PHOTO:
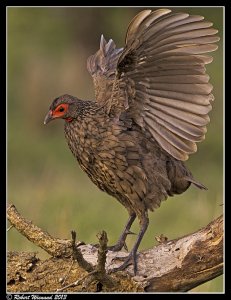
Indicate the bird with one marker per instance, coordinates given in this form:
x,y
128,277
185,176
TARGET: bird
x,y
151,106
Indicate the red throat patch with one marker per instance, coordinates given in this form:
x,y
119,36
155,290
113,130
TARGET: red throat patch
x,y
69,119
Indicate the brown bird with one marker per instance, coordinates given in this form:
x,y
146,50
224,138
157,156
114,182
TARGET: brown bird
x,y
152,100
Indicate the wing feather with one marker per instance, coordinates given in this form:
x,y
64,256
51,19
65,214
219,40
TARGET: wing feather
x,y
161,76
159,79
102,67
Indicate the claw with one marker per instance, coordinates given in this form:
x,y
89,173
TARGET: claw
x,y
129,260
116,247
125,247
120,244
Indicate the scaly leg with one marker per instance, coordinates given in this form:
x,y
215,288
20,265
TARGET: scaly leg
x,y
132,257
121,241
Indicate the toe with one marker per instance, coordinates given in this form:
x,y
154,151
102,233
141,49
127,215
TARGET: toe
x,y
130,260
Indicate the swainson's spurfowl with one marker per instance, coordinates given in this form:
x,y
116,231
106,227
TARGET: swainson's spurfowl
x,y
152,100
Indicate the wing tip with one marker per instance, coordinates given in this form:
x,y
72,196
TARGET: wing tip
x,y
105,46
103,43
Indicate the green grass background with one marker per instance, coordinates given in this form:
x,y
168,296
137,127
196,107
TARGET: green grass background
x,y
47,52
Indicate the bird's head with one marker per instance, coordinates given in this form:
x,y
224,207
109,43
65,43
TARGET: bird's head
x,y
63,107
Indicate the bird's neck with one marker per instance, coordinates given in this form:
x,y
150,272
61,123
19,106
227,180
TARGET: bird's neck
x,y
84,108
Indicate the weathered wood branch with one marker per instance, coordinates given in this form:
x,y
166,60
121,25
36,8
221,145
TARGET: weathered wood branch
x,y
172,266
54,247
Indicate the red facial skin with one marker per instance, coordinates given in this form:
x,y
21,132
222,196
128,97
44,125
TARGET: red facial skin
x,y
60,111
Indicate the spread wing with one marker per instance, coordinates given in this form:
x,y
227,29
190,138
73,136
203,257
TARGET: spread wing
x,y
160,80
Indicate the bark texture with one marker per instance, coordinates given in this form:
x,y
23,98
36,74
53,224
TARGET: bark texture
x,y
172,266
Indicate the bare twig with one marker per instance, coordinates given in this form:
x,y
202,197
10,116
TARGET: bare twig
x,y
100,271
77,255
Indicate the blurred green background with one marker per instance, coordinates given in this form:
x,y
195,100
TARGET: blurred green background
x,y
47,52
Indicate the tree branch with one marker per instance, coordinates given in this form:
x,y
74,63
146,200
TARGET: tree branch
x,y
54,247
172,266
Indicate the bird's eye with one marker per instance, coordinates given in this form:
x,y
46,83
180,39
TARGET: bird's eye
x,y
61,109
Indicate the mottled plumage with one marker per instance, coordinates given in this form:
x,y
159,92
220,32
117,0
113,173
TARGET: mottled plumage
x,y
152,104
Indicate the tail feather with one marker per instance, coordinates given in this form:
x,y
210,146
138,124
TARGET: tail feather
x,y
196,183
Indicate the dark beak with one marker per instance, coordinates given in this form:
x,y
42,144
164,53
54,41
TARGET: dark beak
x,y
48,117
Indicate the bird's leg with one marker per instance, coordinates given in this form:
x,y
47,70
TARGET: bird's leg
x,y
121,241
131,258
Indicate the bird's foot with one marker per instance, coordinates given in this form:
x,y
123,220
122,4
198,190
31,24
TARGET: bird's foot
x,y
121,242
117,247
131,259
